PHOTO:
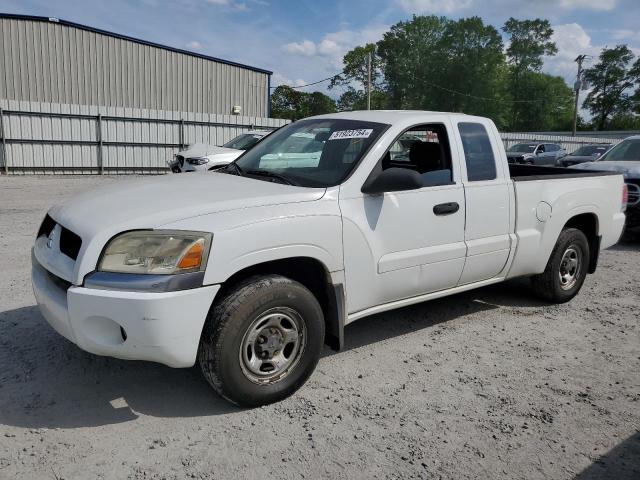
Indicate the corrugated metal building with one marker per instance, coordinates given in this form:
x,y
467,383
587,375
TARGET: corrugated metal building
x,y
55,61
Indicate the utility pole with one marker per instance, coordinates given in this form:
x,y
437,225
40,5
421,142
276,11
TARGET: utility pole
x,y
579,59
369,81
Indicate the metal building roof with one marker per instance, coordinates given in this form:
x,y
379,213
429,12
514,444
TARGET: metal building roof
x,y
35,18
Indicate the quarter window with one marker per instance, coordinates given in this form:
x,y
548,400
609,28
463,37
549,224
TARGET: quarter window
x,y
478,154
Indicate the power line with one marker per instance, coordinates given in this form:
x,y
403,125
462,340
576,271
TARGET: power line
x,y
309,84
487,98
455,92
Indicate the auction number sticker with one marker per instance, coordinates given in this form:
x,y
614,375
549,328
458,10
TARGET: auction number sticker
x,y
360,133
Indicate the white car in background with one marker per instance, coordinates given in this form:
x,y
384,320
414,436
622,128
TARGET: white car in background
x,y
201,157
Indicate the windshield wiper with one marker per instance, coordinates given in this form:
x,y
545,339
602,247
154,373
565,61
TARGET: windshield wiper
x,y
267,173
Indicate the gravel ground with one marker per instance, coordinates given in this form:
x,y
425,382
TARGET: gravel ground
x,y
486,384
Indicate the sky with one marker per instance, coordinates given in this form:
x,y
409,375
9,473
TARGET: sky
x,y
303,41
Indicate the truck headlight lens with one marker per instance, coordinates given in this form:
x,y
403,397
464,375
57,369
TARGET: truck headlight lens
x,y
156,252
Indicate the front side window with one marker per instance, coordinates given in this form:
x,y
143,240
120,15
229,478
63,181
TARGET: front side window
x,y
425,149
478,154
625,151
311,153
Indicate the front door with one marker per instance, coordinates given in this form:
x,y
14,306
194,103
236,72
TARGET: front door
x,y
399,245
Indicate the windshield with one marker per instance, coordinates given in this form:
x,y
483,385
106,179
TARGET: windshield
x,y
311,153
522,148
244,141
625,151
589,150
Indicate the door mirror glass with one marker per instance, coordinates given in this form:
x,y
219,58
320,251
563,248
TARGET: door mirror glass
x,y
393,179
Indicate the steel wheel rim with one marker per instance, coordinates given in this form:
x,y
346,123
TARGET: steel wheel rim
x,y
570,267
272,345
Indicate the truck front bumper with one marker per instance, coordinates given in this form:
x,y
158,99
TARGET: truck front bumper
x,y
157,327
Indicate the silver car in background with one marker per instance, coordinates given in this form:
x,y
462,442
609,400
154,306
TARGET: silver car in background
x,y
535,153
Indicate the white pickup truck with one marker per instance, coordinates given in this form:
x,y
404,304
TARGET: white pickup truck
x,y
260,264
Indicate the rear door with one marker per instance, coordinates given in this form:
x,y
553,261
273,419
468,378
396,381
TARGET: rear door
x,y
486,187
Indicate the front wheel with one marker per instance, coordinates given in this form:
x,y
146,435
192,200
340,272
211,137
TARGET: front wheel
x,y
262,340
566,269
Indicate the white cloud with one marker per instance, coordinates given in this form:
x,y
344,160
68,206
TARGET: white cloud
x,y
572,40
433,6
305,47
334,45
280,79
518,7
241,6
194,45
588,4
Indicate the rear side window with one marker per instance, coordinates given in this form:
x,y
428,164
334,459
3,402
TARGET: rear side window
x,y
478,154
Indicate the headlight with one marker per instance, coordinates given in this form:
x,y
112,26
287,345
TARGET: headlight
x,y
156,252
197,160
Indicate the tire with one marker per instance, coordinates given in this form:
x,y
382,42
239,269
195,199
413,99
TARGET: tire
x,y
248,350
566,269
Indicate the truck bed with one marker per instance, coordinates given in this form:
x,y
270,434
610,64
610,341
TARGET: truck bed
x,y
523,173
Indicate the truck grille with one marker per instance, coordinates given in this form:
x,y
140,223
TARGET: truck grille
x,y
70,242
633,187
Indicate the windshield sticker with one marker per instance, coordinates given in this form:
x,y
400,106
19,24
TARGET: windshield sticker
x,y
360,133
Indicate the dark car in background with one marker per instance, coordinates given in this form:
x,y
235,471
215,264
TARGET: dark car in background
x,y
623,158
535,153
586,153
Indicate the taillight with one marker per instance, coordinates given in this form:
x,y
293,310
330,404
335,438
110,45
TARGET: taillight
x,y
625,196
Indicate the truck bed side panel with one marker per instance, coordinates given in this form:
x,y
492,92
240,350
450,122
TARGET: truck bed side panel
x,y
544,206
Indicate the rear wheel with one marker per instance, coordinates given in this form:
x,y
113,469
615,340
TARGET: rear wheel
x,y
566,269
262,340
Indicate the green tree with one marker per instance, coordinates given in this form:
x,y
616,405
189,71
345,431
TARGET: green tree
x,y
532,94
355,72
529,41
353,99
434,63
411,61
289,103
611,80
319,103
547,105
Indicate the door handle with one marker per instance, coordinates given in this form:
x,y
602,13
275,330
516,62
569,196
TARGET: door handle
x,y
446,208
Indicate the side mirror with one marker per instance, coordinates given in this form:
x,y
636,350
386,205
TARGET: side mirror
x,y
392,180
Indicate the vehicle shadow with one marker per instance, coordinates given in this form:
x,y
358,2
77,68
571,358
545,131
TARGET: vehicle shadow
x,y
380,327
47,382
627,245
621,462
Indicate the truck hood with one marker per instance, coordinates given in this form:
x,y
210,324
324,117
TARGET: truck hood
x,y
153,202
628,169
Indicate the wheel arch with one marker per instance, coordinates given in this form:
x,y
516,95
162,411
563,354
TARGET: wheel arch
x,y
315,276
588,224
